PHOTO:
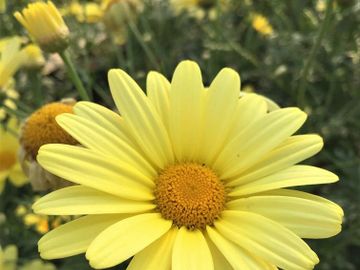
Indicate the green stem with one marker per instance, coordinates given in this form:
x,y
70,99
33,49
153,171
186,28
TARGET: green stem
x,y
74,75
310,60
36,85
143,44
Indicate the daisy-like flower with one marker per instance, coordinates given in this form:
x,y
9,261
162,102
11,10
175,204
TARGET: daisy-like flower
x,y
46,25
89,12
187,177
8,257
9,165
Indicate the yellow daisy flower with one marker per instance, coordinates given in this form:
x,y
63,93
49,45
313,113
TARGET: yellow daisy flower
x,y
262,25
45,24
9,164
188,178
37,264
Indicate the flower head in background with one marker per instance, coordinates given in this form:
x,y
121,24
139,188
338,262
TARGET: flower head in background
x,y
187,177
46,26
118,14
262,25
9,163
38,129
88,12
8,257
2,6
33,57
37,264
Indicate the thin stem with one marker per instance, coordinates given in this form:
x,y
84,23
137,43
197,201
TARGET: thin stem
x,y
74,75
310,60
134,29
36,85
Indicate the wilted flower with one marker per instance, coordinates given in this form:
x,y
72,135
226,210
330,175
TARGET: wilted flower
x,y
38,129
45,25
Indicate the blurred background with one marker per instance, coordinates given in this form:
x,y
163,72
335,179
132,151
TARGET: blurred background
x,y
297,53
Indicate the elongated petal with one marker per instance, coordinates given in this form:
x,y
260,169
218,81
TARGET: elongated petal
x,y
302,195
220,105
293,150
158,91
141,117
81,200
96,137
74,237
191,251
298,175
109,120
267,239
126,238
307,218
258,139
249,109
157,255
239,258
220,262
91,169
186,105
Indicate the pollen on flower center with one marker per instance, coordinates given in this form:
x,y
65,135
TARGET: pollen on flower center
x,y
41,128
190,195
7,160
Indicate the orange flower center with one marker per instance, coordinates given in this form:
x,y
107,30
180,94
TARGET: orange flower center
x,y
41,128
190,195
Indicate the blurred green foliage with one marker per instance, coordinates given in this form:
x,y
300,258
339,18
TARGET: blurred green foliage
x,y
312,60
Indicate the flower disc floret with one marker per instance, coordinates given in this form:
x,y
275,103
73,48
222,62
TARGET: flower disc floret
x,y
41,128
190,195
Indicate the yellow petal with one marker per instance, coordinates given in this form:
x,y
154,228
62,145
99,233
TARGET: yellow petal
x,y
94,136
191,251
186,105
258,139
303,195
239,258
220,262
126,238
307,218
108,119
141,117
74,237
157,255
250,108
81,200
293,150
88,168
298,175
158,90
266,239
220,105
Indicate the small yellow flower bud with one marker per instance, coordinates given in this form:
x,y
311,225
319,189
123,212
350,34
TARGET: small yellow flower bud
x,y
45,25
